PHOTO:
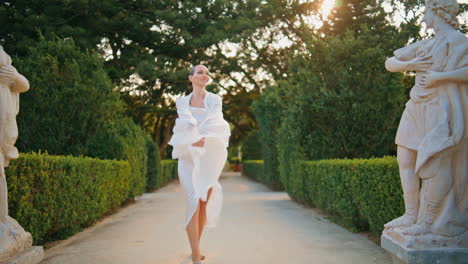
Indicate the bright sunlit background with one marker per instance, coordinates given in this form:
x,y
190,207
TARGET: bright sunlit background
x,y
327,7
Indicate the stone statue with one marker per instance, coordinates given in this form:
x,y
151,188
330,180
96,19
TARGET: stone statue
x,y
15,243
432,137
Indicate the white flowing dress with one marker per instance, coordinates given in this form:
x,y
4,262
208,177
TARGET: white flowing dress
x,y
199,168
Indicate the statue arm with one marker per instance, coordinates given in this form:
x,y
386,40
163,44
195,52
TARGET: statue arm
x,y
395,65
21,84
420,64
409,52
405,59
458,75
15,81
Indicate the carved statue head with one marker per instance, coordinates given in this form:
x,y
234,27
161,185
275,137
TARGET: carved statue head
x,y
4,58
447,10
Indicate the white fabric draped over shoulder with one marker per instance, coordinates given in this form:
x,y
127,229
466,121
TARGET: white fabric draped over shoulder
x,y
199,168
187,130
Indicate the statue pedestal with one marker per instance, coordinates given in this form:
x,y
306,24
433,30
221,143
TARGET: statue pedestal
x,y
32,255
16,245
410,250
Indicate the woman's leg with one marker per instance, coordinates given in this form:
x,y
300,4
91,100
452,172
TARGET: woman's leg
x,y
202,214
194,235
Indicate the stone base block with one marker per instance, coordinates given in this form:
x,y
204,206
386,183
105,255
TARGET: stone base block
x,y
32,255
403,254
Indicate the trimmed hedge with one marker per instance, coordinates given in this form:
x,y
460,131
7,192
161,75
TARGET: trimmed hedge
x,y
254,169
360,194
257,170
71,96
364,193
56,196
153,167
251,147
268,110
168,172
122,139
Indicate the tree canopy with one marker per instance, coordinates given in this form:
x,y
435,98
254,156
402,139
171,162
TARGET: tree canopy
x,y
149,46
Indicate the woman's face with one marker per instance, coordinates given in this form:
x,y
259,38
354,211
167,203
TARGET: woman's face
x,y
201,76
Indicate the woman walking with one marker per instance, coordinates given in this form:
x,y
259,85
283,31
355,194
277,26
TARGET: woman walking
x,y
200,138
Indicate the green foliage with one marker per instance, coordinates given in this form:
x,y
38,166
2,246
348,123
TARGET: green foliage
x,y
69,98
71,108
122,139
327,185
351,14
341,103
380,180
351,103
362,194
153,168
161,40
157,40
268,111
251,148
56,196
168,171
254,169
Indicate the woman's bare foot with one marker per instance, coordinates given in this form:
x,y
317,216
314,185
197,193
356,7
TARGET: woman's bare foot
x,y
196,259
201,257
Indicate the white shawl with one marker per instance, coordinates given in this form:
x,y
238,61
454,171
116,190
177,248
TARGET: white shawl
x,y
187,130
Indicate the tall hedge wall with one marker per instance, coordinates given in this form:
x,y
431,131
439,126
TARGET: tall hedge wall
x,y
254,169
168,172
153,166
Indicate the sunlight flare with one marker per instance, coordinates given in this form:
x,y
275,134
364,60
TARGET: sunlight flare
x,y
327,6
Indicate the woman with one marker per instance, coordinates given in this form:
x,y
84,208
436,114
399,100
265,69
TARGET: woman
x,y
432,137
200,139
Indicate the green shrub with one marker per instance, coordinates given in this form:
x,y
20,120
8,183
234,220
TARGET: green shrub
x,y
122,139
251,147
327,185
254,169
69,99
380,180
168,171
268,112
337,101
56,196
362,194
153,168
